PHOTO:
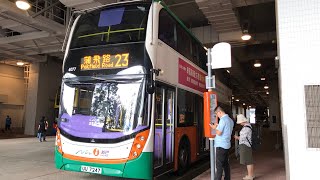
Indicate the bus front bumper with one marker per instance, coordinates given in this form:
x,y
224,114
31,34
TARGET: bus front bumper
x,y
140,168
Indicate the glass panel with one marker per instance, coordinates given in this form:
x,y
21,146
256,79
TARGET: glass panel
x,y
186,106
103,107
166,29
184,43
158,137
195,53
199,120
170,125
111,25
202,57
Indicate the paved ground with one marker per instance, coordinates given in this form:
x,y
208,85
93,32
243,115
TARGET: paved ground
x,y
268,166
269,163
28,159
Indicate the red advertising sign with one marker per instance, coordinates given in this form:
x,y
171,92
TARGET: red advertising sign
x,y
191,76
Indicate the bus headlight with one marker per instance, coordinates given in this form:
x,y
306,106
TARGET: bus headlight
x,y
58,141
141,138
138,146
64,120
135,154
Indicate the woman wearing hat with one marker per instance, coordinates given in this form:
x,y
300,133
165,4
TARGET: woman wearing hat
x,y
245,149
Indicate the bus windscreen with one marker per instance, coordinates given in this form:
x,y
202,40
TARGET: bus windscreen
x,y
104,107
111,26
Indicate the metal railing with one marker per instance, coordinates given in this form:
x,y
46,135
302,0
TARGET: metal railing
x,y
51,9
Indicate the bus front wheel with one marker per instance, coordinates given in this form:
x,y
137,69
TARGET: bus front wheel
x,y
183,156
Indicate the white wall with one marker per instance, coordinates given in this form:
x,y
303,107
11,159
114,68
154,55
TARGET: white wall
x,y
12,87
299,46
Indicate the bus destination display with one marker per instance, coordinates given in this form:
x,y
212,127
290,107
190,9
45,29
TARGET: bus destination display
x,y
105,61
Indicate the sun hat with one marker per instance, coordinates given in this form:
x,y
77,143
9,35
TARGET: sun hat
x,y
241,119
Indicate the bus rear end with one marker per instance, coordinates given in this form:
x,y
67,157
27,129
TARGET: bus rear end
x,y
104,117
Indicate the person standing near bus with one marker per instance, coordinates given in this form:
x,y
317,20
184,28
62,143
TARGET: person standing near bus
x,y
55,127
245,146
8,123
42,128
222,143
45,128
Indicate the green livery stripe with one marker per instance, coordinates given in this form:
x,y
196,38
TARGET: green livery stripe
x,y
110,32
58,158
141,167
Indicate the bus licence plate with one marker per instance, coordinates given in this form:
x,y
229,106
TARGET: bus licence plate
x,y
91,169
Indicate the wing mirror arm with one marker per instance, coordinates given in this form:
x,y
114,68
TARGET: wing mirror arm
x,y
151,82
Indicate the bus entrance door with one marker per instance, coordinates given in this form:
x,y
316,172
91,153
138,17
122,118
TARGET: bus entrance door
x,y
164,129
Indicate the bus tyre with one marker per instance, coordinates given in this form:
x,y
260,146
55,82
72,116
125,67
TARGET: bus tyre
x,y
183,156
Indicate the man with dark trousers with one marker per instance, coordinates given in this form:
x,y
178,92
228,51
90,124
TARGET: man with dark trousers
x,y
222,143
8,123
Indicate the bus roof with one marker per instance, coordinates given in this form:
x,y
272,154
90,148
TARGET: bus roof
x,y
111,4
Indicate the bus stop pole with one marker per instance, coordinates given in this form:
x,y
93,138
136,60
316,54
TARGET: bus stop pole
x,y
212,158
211,140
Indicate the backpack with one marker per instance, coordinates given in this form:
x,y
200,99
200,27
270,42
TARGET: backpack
x,y
255,137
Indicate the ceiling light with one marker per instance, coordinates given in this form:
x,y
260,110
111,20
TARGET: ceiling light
x,y
249,106
267,92
237,100
244,104
23,4
263,78
245,36
20,63
228,71
257,63
266,87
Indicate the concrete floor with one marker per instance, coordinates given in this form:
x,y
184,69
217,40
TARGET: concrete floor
x,y
28,159
269,163
268,166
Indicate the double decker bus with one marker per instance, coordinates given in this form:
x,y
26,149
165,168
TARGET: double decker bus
x,y
131,95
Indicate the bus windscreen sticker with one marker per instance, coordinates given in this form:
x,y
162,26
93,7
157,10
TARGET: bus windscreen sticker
x,y
191,77
111,17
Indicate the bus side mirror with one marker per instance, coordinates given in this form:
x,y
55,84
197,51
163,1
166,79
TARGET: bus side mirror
x,y
150,86
150,82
